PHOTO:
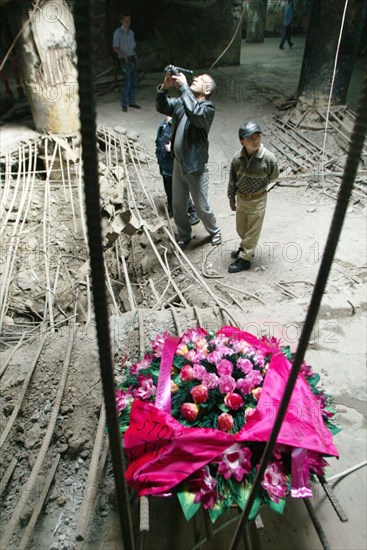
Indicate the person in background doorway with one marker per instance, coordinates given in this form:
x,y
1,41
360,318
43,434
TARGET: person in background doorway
x,y
288,15
165,162
192,116
124,46
252,168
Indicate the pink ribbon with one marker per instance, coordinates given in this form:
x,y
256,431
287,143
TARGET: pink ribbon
x,y
300,474
163,395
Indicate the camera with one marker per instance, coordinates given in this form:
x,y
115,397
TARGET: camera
x,y
172,70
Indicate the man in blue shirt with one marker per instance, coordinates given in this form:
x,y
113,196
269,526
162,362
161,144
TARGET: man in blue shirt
x,y
287,24
124,45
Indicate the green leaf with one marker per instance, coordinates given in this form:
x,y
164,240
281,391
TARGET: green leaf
x,y
241,492
189,507
218,510
277,506
314,380
334,429
287,352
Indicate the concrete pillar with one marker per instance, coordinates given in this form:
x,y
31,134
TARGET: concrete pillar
x,y
255,20
49,67
321,49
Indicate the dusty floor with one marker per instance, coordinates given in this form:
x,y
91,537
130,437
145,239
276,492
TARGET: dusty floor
x,y
290,250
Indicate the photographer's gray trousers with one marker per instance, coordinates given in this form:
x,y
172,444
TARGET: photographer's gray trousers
x,y
198,186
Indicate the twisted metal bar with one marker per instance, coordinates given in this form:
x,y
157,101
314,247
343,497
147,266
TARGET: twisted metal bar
x,y
86,40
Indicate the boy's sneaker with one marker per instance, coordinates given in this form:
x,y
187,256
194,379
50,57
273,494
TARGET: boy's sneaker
x,y
216,239
194,218
183,244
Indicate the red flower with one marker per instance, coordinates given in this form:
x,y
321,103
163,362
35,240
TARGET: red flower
x,y
233,401
189,411
199,393
225,422
187,373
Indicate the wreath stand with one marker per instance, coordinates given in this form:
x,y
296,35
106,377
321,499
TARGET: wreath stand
x,y
249,533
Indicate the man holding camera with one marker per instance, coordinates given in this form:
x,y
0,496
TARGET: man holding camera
x,y
192,116
124,45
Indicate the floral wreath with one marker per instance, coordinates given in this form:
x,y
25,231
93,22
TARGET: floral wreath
x,y
196,412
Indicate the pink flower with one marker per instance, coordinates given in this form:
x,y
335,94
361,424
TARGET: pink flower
x,y
322,401
235,462
215,356
200,355
244,365
224,367
191,355
187,373
272,342
146,388
123,399
306,370
219,340
225,422
199,371
210,380
233,401
199,393
182,349
316,462
226,384
275,481
240,346
189,411
259,358
141,365
207,493
226,351
194,335
158,344
201,345
246,385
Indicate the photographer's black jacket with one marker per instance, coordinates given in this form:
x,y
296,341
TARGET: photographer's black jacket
x,y
200,116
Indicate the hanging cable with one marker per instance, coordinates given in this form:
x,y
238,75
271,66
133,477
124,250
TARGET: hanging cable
x,y
345,191
234,36
86,42
332,87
